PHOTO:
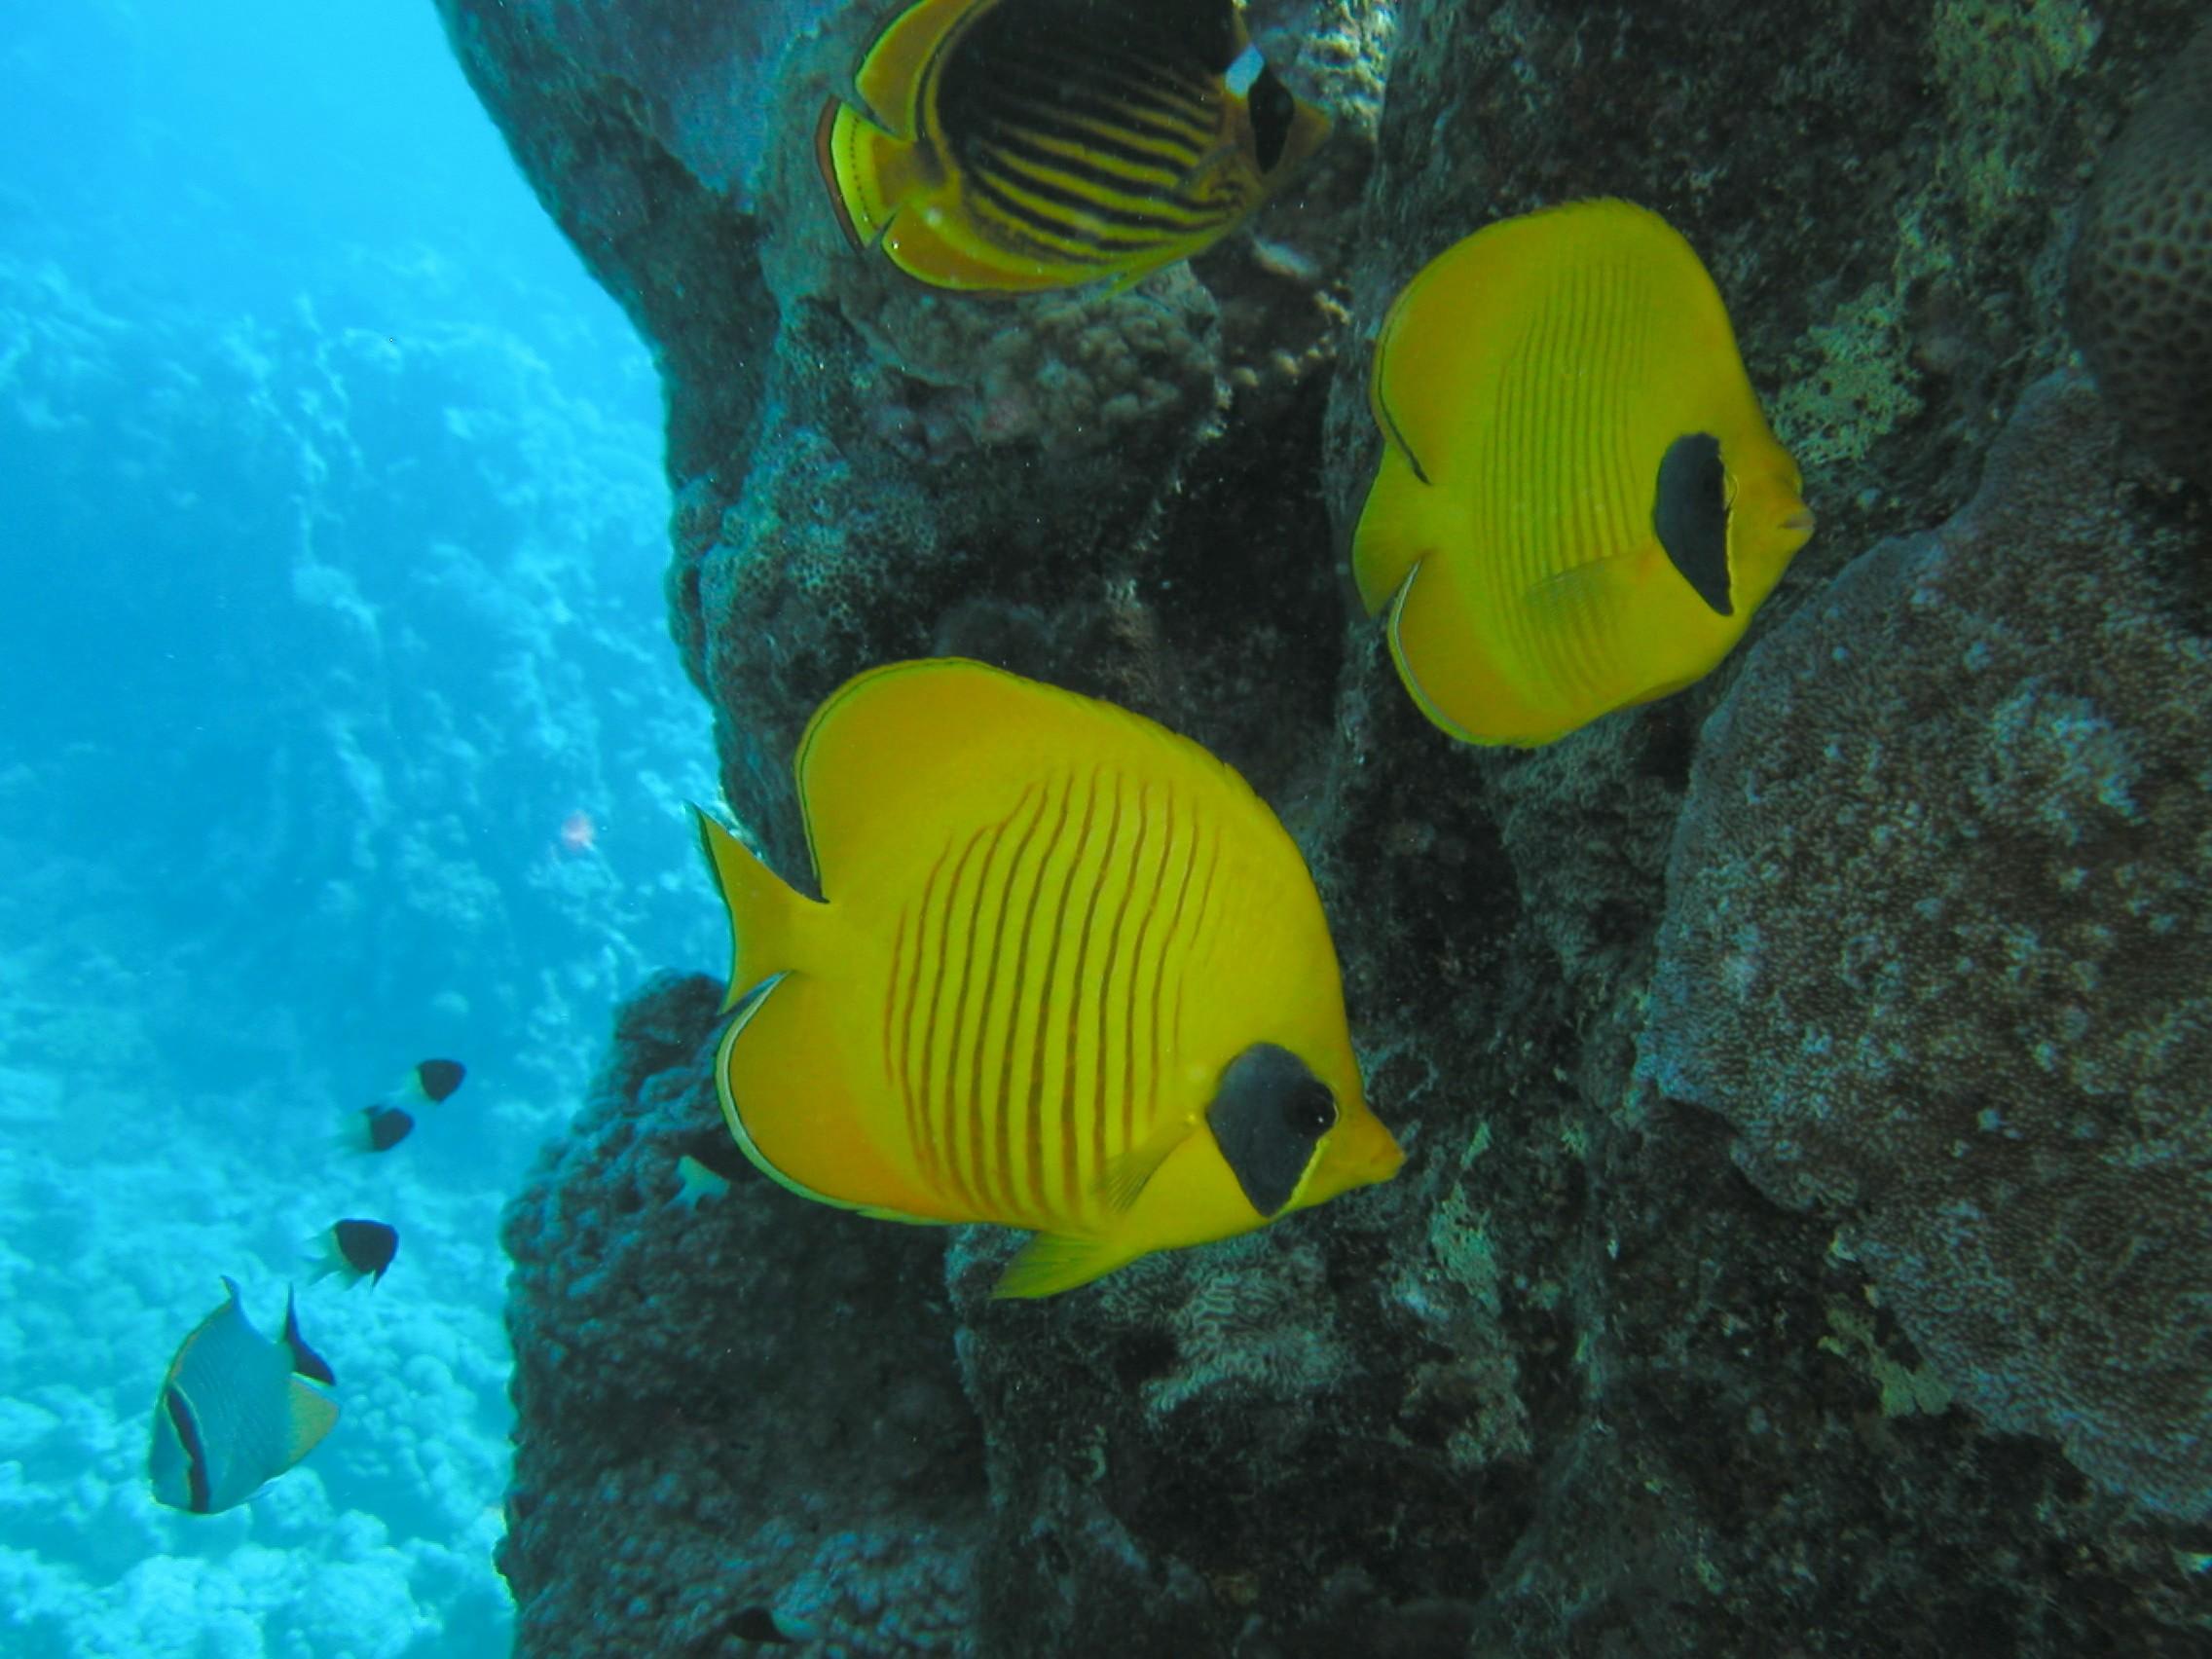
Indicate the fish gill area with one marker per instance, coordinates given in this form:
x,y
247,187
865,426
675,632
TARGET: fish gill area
x,y
1804,1243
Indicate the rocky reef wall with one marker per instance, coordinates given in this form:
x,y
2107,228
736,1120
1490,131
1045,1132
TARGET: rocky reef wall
x,y
1804,1243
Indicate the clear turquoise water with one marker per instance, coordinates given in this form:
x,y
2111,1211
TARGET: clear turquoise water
x,y
330,533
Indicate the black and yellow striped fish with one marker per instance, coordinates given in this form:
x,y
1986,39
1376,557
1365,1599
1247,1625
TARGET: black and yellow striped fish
x,y
1027,144
1069,974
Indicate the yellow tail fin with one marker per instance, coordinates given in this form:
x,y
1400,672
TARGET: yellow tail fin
x,y
764,913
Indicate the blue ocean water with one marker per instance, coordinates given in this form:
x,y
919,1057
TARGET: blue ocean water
x,y
337,730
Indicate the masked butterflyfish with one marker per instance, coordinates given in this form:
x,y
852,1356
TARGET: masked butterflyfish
x,y
1579,504
355,1249
1025,144
1069,974
236,1410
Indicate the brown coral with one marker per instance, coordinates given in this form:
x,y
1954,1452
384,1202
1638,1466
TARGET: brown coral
x,y
2139,293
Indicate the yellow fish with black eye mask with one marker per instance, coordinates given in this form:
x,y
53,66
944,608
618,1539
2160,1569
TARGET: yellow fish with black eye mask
x,y
1068,973
1579,504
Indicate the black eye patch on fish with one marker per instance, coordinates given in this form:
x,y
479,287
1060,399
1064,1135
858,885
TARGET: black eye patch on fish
x,y
1273,110
1266,1117
1690,514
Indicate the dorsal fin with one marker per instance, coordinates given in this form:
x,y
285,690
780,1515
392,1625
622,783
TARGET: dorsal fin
x,y
305,1360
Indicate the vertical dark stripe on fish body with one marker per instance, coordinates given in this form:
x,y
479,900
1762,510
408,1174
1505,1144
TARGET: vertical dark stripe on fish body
x,y
997,1007
1142,1088
1042,1069
1084,1177
1576,653
186,1422
1199,923
892,1067
1103,1146
1174,948
966,1113
939,1108
1017,999
920,1117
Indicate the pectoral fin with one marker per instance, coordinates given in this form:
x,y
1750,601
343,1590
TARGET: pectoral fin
x,y
1125,1175
311,1413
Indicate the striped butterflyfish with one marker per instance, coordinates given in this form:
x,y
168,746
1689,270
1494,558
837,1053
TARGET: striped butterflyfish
x,y
1068,973
236,1410
1579,504
1025,144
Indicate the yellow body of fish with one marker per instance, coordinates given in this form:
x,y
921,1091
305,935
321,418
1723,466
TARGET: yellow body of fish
x,y
1069,974
1579,504
1025,144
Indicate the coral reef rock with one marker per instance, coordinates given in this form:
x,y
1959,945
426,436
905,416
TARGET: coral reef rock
x,y
713,1422
1634,1356
1938,943
2139,293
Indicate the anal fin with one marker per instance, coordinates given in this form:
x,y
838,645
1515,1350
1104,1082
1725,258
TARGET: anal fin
x,y
1052,1262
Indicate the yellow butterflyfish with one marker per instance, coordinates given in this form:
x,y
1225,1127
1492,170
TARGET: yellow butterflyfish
x,y
1068,973
1579,504
1025,144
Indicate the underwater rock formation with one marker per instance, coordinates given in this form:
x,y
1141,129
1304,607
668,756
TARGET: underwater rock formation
x,y
1572,1382
2140,291
1938,943
703,1436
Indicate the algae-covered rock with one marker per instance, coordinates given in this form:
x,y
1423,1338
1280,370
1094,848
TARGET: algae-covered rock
x,y
1939,943
1570,1383
708,1430
2139,293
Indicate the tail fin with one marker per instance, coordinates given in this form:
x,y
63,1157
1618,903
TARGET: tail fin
x,y
763,910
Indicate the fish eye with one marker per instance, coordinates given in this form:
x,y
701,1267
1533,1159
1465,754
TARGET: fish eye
x,y
1310,1110
1274,109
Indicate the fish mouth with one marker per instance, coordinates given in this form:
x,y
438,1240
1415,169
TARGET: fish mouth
x,y
1376,1154
1800,519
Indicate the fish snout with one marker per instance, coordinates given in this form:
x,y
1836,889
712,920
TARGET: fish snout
x,y
1371,1153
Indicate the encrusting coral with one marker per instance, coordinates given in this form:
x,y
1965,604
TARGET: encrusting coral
x,y
2139,289
1569,1384
1938,944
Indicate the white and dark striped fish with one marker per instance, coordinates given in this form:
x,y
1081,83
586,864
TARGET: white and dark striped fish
x,y
1071,975
1024,144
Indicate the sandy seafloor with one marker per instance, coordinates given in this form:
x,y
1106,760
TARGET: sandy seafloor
x,y
330,533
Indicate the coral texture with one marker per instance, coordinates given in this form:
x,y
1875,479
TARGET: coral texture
x,y
2139,294
1570,1383
706,1436
1938,943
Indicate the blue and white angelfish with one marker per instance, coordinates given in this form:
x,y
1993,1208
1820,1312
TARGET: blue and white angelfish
x,y
236,1410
